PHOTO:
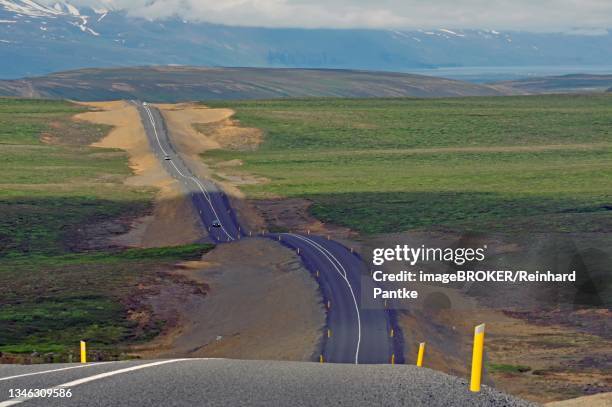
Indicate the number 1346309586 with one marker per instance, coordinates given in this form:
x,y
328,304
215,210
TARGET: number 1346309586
x,y
58,392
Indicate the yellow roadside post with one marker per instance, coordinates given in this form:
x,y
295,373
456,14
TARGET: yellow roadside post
x,y
393,359
421,354
329,333
83,352
479,332
321,359
392,333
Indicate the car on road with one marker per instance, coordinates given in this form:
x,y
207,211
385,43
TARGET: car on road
x,y
216,223
167,158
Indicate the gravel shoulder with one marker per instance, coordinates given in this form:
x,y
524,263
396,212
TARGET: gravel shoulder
x,y
259,383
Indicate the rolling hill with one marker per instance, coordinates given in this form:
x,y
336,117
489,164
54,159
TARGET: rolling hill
x,y
579,83
173,84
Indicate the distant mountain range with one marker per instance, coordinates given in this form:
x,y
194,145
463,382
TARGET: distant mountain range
x,y
37,39
174,84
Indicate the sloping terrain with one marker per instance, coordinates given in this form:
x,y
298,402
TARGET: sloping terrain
x,y
61,203
579,83
172,84
379,166
103,245
524,175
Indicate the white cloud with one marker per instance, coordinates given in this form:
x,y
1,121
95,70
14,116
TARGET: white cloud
x,y
539,15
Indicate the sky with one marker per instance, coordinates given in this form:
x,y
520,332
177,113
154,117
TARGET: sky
x,y
585,16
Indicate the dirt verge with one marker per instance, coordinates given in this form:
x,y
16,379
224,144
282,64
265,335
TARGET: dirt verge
x,y
532,359
597,400
173,221
535,347
197,129
261,304
251,299
183,120
537,363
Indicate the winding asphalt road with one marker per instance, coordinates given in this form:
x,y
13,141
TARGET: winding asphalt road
x,y
359,328
360,334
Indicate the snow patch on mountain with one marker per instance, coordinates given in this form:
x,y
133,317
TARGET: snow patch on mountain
x,y
72,9
444,30
82,25
29,8
69,13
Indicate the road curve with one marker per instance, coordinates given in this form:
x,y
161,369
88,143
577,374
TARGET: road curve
x,y
358,328
224,382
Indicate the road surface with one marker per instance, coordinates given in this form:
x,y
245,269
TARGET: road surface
x,y
224,382
358,331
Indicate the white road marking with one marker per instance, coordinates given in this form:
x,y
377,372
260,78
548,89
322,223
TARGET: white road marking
x,y
51,371
329,257
322,248
195,180
77,382
154,129
332,259
202,188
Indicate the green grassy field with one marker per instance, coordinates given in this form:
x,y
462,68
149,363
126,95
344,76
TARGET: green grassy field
x,y
53,194
539,163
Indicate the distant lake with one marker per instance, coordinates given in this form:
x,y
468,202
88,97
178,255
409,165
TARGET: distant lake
x,y
484,74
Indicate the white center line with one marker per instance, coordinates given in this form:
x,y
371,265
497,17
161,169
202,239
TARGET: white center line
x,y
154,129
75,383
195,180
51,371
329,257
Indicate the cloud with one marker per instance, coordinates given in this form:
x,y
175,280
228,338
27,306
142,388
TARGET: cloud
x,y
540,15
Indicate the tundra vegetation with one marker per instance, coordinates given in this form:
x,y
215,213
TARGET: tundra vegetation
x,y
523,163
59,199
